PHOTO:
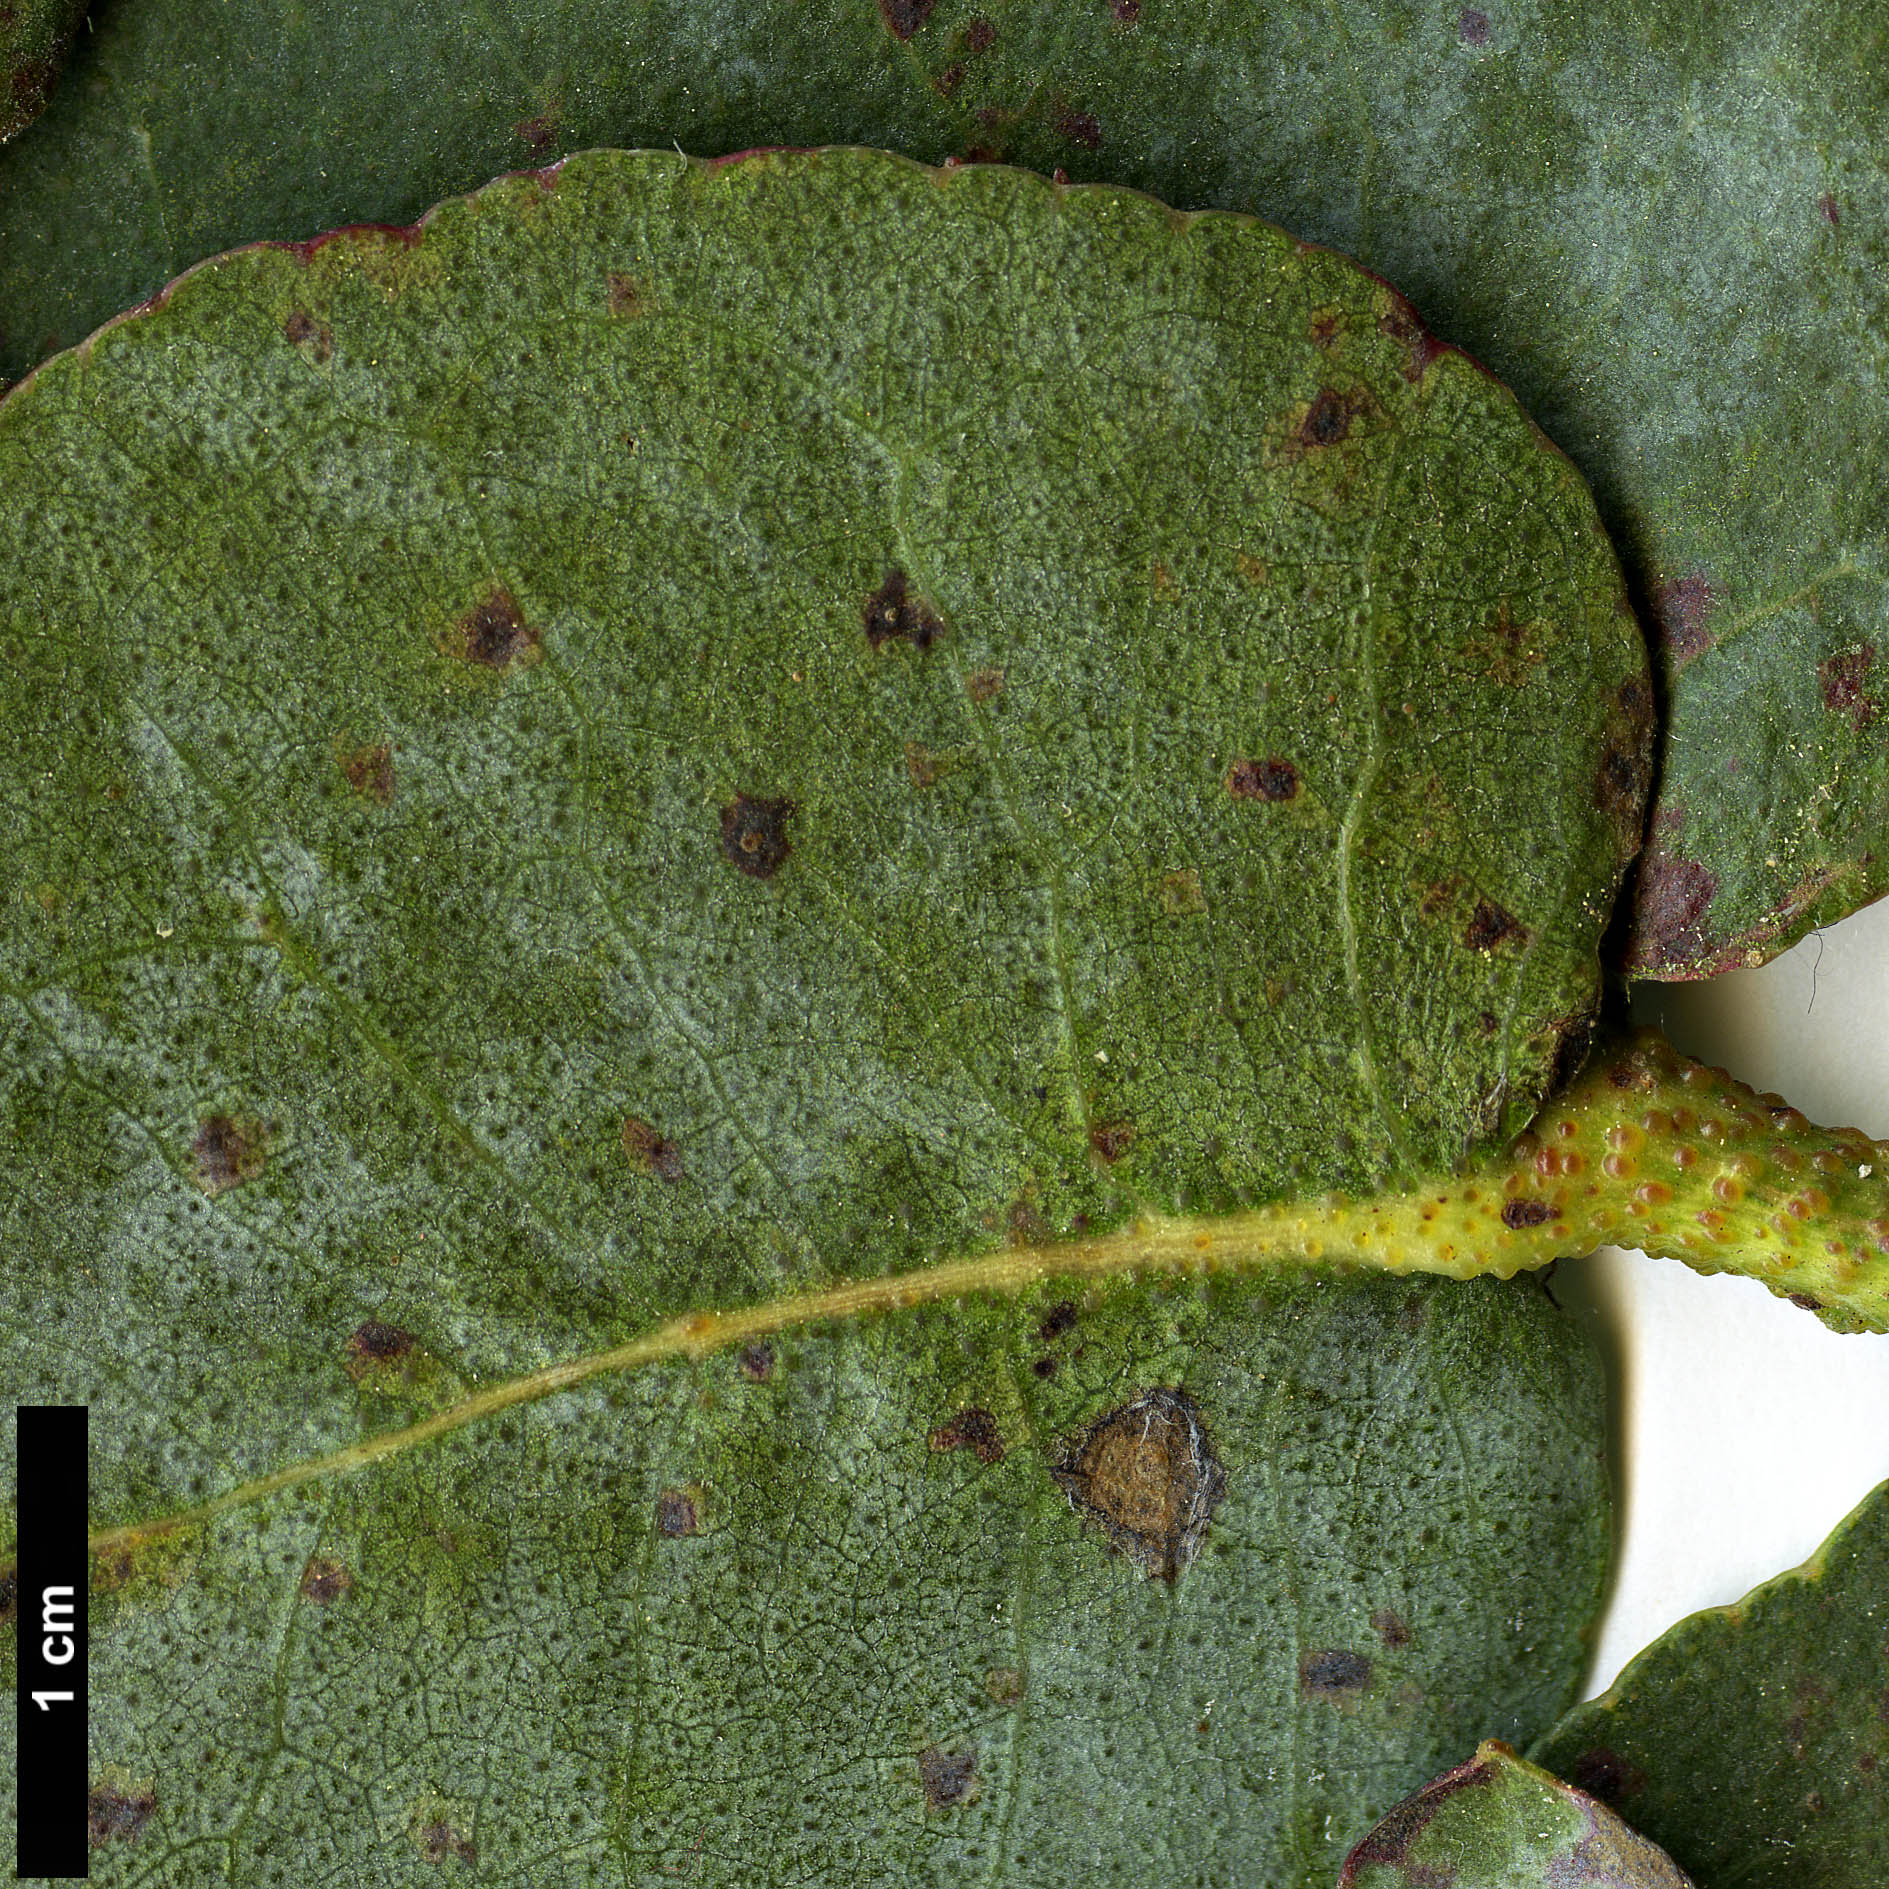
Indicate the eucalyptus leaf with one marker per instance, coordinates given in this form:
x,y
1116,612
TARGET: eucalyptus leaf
x,y
610,795
1663,224
1752,1741
1499,1822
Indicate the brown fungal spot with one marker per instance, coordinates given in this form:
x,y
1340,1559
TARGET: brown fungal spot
x,y
1438,896
980,35
494,633
370,771
1841,679
905,17
1472,27
892,611
626,294
1004,1684
1682,607
1146,1475
1517,1214
1806,1302
1060,1317
1510,651
324,1580
227,1153
438,1840
1111,1140
676,1513
651,1153
1045,1368
377,1342
1390,1629
1274,778
1827,209
974,1430
1402,324
754,834
1606,1774
950,78
756,1363
1082,128
116,1816
948,1777
1327,420
1327,325
1670,903
539,131
1333,1672
315,338
1490,925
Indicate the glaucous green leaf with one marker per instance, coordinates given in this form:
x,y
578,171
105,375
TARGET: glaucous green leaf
x,y
693,750
1662,224
1752,1742
34,36
1499,1822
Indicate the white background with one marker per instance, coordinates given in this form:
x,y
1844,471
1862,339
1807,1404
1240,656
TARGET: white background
x,y
1744,1429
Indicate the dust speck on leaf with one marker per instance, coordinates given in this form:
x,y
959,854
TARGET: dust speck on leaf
x,y
974,1430
1490,925
904,17
369,771
494,633
315,338
754,834
1840,681
649,1152
1684,608
116,1816
1334,1672
893,612
324,1580
1146,1475
676,1513
1274,778
947,1777
227,1153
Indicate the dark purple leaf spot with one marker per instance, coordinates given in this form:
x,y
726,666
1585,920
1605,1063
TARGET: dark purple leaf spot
x,y
1127,11
626,294
1606,1774
980,35
1401,323
439,1840
1333,1672
904,17
1082,128
1841,681
1045,1368
756,1363
1517,1214
377,1342
9,1594
115,1816
675,1513
1146,1476
1270,779
1805,1302
1472,27
1489,926
1390,1629
1111,1140
947,1777
494,633
1827,209
539,131
651,1153
1327,420
754,835
893,612
1060,1317
324,1580
984,685
1683,607
1670,905
950,78
921,764
1396,1833
227,1153
314,338
974,1430
370,771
